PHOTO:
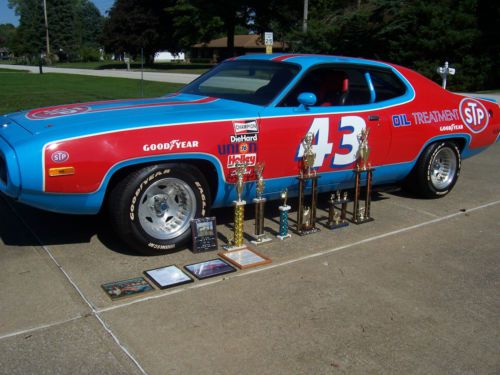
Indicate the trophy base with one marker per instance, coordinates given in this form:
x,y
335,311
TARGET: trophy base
x,y
305,232
362,221
232,247
260,240
337,225
282,238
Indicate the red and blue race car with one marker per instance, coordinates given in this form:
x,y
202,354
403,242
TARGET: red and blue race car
x,y
155,164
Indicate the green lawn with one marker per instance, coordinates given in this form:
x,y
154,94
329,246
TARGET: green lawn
x,y
21,90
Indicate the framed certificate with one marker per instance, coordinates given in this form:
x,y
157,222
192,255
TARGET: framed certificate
x,y
210,268
168,277
127,288
245,258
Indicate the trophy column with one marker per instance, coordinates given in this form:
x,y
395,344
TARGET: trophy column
x,y
239,211
337,211
284,209
259,201
306,214
361,215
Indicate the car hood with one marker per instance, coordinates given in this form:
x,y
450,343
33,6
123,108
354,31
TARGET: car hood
x,y
83,118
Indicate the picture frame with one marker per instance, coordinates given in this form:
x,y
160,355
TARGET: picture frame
x,y
127,288
209,268
168,276
204,233
245,258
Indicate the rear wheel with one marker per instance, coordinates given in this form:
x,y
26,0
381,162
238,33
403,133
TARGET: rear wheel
x,y
152,208
437,170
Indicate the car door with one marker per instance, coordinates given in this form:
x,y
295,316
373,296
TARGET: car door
x,y
344,107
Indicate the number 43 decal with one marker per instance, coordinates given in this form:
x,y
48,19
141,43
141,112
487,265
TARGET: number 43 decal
x,y
321,147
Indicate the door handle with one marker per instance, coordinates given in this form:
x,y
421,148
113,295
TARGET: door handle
x,y
373,118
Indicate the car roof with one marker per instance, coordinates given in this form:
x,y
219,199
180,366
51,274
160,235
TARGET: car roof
x,y
307,60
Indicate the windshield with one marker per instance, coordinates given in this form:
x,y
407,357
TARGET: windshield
x,y
254,82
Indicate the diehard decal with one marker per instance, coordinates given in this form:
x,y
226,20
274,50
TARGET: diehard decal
x,y
244,138
474,115
245,127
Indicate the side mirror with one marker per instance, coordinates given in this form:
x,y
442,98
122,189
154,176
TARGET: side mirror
x,y
307,99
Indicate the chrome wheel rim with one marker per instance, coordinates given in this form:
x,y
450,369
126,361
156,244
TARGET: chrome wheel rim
x,y
443,168
166,208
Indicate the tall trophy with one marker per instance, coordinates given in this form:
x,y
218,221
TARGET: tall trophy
x,y
259,236
284,209
239,209
337,210
306,215
361,215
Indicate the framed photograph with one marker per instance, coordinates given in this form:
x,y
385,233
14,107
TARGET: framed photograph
x,y
126,288
210,268
245,258
204,232
167,277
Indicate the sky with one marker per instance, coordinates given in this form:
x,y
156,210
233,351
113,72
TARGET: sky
x,y
7,15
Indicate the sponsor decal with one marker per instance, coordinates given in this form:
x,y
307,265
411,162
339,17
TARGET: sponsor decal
x,y
59,156
248,159
400,120
174,144
47,113
433,117
236,148
244,138
245,127
474,115
452,127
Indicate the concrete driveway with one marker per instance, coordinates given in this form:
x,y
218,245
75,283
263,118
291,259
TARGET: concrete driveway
x,y
416,291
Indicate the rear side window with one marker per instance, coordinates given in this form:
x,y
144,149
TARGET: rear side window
x,y
387,85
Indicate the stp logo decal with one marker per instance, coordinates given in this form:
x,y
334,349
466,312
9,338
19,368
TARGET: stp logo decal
x,y
59,156
474,115
48,113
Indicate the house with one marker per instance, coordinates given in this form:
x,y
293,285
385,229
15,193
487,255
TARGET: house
x,y
4,53
216,50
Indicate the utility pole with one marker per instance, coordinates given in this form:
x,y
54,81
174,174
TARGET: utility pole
x,y
306,9
46,27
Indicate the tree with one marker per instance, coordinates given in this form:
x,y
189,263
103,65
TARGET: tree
x,y
7,35
136,24
89,24
30,36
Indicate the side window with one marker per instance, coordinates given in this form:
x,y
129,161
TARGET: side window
x,y
333,86
387,85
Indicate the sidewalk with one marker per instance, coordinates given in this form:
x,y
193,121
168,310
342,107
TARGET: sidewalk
x,y
148,76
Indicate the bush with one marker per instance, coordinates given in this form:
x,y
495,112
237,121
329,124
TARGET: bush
x,y
88,54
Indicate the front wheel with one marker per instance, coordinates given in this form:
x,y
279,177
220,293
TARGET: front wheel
x,y
437,170
152,208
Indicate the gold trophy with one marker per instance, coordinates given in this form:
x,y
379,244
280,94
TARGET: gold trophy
x,y
361,215
259,201
239,209
337,211
306,215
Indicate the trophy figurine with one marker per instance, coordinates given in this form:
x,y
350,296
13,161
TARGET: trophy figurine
x,y
239,209
364,150
284,208
260,237
362,214
337,211
306,214
309,156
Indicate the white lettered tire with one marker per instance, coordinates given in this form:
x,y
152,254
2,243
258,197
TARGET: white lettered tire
x,y
151,208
